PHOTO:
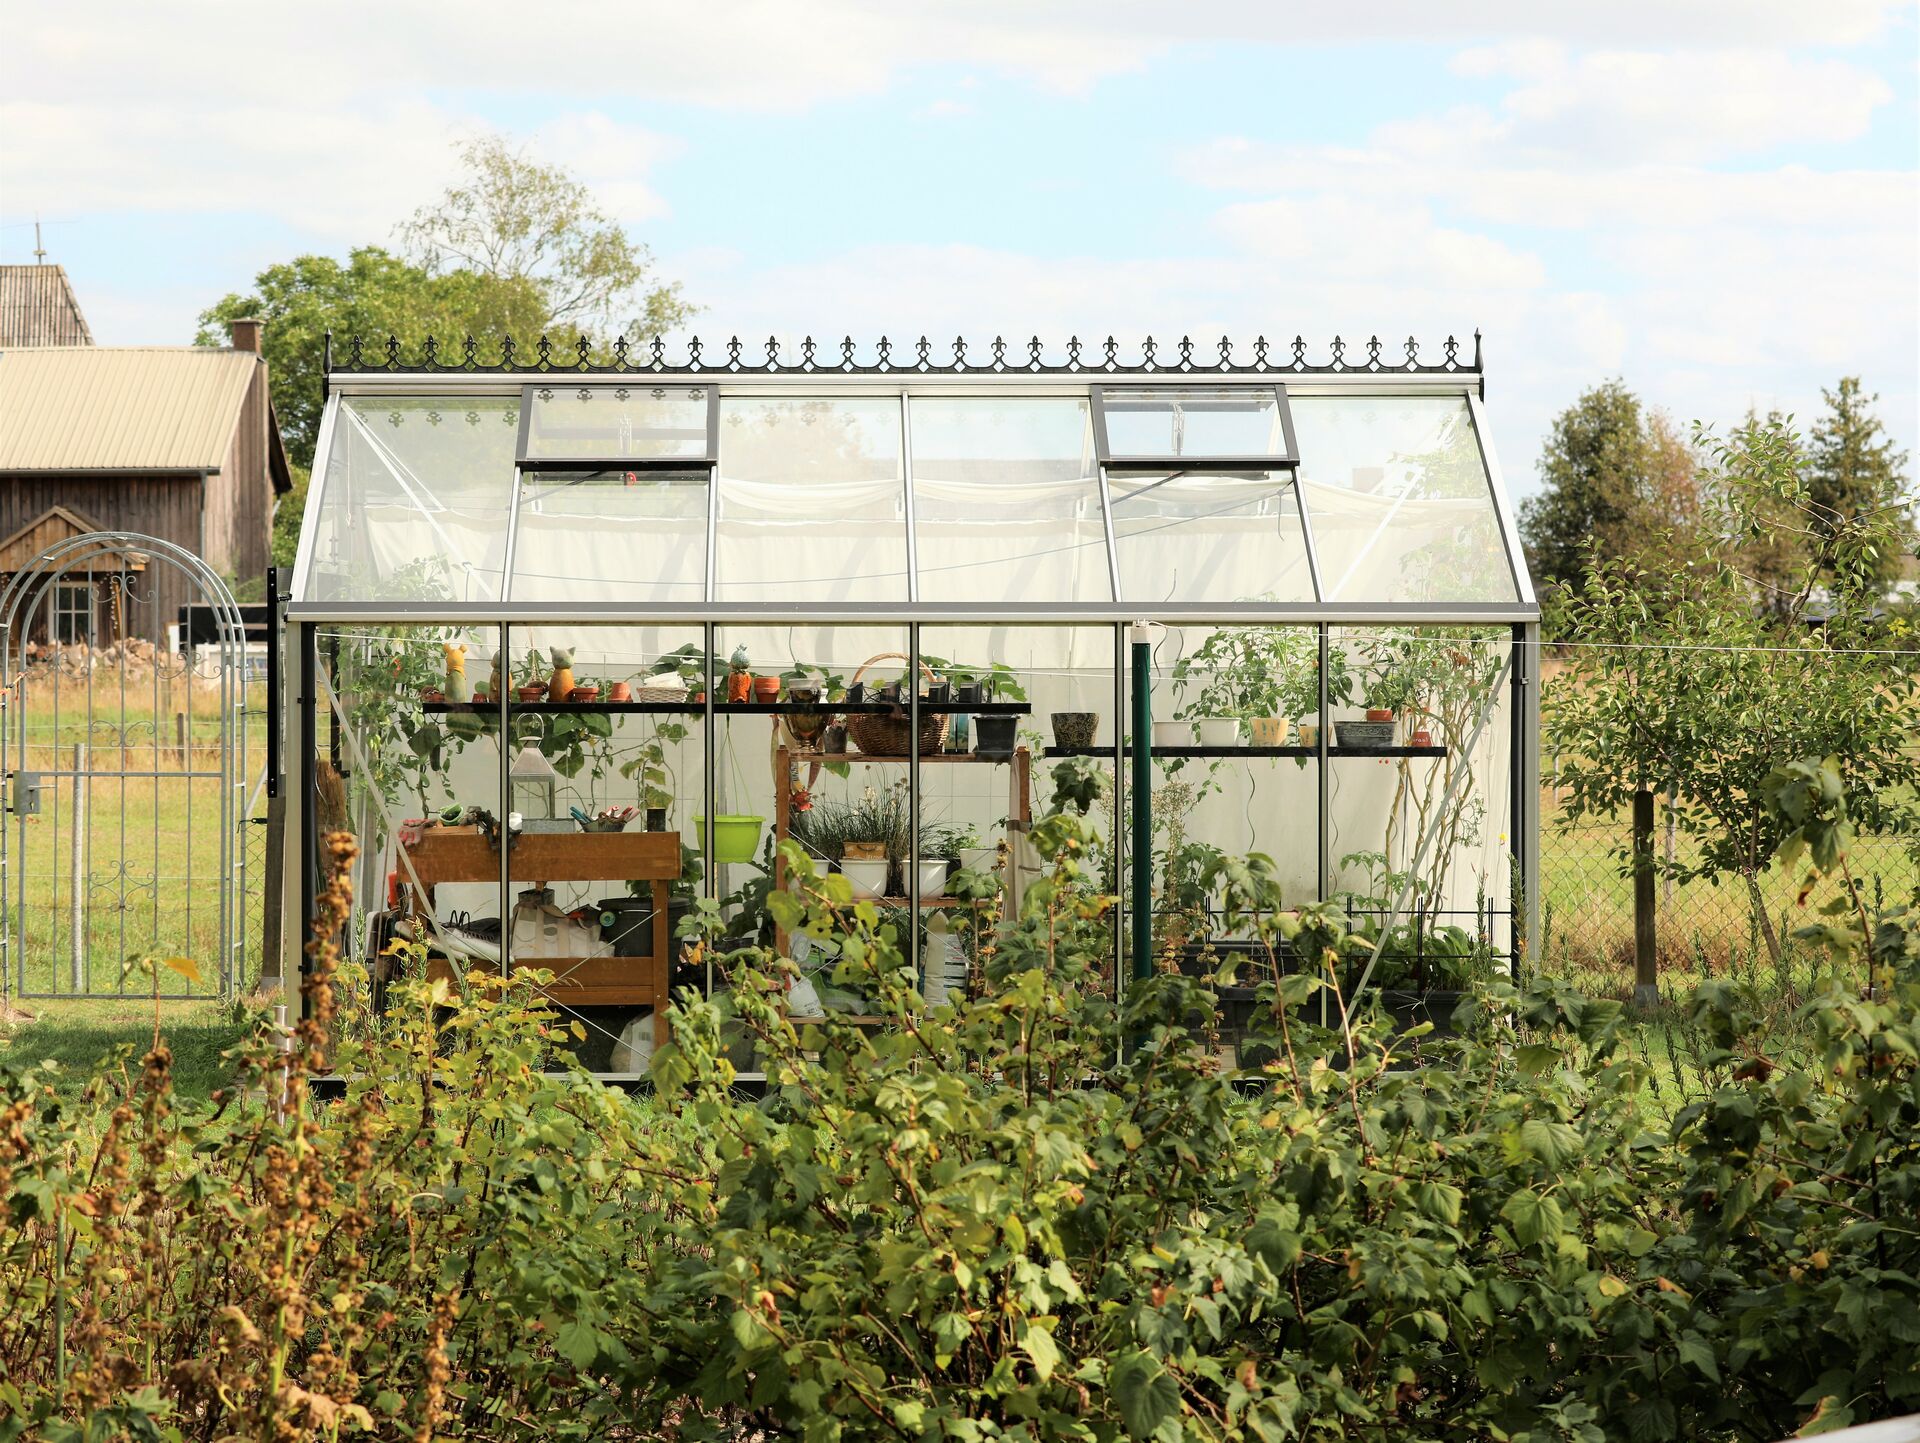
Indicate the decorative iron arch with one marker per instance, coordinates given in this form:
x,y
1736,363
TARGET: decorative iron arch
x,y
20,599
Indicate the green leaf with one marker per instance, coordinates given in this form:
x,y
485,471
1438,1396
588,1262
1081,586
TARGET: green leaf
x,y
1439,1201
1534,1216
1145,1392
577,1342
1554,1143
1698,1351
1038,1345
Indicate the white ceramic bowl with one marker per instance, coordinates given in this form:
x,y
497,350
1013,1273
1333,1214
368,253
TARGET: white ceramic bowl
x,y
868,879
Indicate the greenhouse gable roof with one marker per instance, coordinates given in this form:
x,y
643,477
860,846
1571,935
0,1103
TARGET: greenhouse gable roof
x,y
829,483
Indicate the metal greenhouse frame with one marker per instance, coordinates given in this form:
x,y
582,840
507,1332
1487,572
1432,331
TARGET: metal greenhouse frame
x,y
1183,488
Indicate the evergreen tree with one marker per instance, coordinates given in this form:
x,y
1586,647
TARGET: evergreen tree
x,y
1596,468
1853,470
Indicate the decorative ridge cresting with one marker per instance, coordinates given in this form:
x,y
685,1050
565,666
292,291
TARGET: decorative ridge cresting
x,y
808,358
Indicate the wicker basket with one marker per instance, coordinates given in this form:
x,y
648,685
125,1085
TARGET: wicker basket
x,y
889,734
656,692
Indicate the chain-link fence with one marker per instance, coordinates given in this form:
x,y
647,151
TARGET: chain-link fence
x,y
1702,928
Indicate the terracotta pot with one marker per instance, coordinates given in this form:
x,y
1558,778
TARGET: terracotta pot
x,y
432,693
619,691
766,689
1423,738
532,693
584,693
1379,713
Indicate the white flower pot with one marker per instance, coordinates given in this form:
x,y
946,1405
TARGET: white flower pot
x,y
1173,734
1219,731
933,878
868,879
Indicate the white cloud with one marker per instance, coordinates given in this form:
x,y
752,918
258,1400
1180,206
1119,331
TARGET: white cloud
x,y
1670,106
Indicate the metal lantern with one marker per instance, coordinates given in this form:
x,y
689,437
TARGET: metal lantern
x,y
533,783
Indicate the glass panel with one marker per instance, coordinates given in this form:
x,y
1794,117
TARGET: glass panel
x,y
812,500
1213,421
611,536
1421,803
1197,537
617,423
400,740
415,500
1399,500
1006,500
600,907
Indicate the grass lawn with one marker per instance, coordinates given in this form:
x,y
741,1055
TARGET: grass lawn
x,y
82,1035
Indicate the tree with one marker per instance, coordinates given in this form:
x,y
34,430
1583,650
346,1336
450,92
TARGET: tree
x,y
1853,470
1694,682
374,294
1597,468
515,219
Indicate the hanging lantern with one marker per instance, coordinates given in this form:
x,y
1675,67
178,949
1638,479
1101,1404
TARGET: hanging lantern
x,y
533,783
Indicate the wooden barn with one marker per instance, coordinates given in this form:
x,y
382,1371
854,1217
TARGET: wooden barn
x,y
178,442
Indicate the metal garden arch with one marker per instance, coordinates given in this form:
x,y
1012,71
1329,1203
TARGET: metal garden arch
x,y
124,835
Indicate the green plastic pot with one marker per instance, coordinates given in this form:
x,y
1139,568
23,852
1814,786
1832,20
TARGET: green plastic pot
x,y
735,839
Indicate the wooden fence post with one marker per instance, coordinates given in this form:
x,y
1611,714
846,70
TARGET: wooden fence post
x,y
1646,977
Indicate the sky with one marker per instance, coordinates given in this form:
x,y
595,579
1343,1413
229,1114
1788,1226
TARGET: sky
x,y
1717,201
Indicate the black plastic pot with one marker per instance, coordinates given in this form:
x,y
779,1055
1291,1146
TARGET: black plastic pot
x,y
857,693
626,923
993,736
940,693
967,693
656,819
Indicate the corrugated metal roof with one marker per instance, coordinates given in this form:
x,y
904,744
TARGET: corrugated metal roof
x,y
100,408
38,308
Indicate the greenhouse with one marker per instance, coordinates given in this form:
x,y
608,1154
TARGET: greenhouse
x,y
572,647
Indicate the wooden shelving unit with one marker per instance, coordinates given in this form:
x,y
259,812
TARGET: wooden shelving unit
x,y
464,854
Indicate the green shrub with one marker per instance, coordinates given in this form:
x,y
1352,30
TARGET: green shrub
x,y
1034,1213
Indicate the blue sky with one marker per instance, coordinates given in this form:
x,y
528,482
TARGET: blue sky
x,y
1715,199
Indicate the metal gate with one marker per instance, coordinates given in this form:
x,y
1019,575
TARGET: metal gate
x,y
128,791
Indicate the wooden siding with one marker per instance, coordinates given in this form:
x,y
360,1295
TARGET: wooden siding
x,y
38,308
240,499
164,507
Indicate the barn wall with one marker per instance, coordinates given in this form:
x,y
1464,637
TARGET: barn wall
x,y
240,498
168,508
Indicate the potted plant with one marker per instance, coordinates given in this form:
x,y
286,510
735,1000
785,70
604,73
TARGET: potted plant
x,y
1243,674
1172,734
974,857
1075,730
994,736
1387,685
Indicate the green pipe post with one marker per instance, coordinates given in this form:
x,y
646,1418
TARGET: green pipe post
x,y
1141,913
